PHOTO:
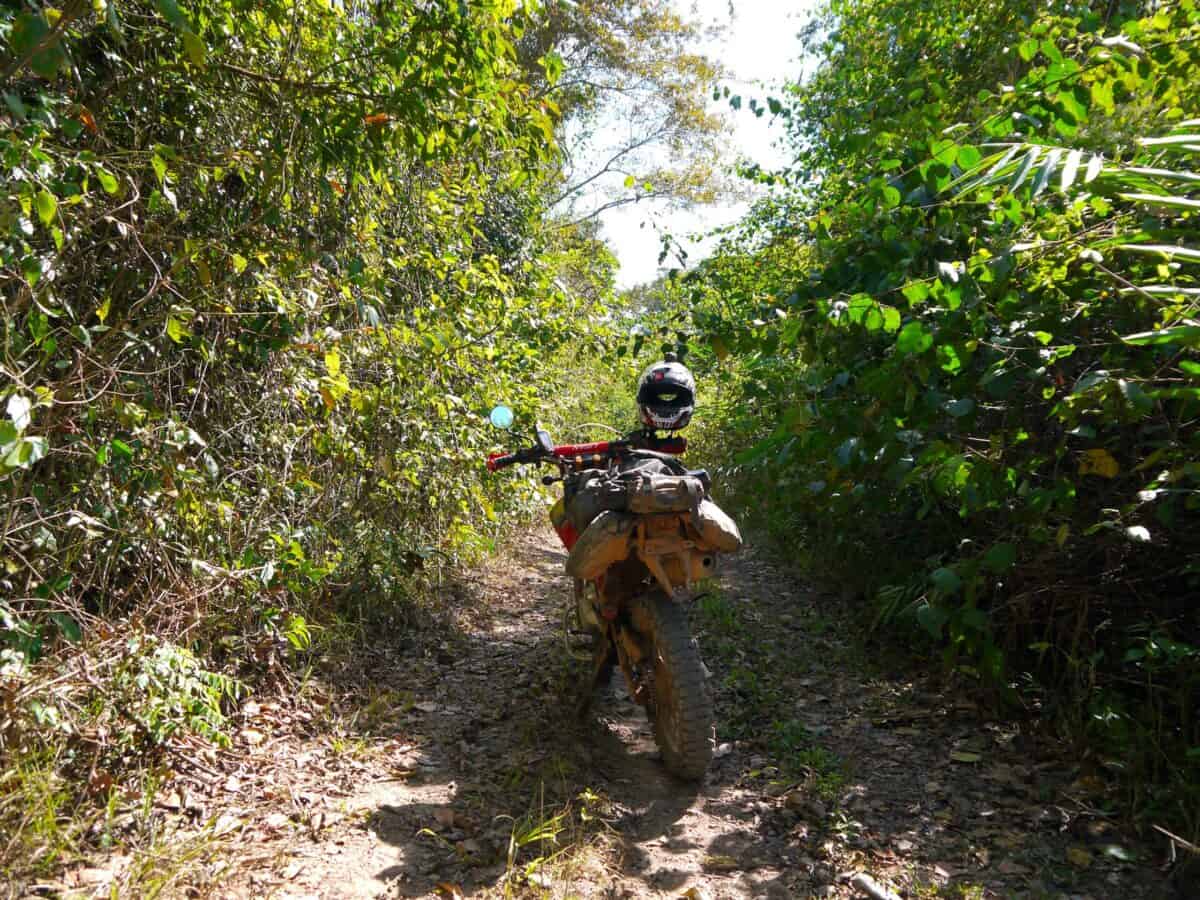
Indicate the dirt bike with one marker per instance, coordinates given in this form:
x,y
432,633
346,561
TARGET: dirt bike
x,y
640,530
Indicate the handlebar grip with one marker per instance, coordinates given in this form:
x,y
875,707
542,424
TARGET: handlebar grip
x,y
498,461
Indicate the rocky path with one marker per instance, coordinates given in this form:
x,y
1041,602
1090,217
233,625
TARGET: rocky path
x,y
454,766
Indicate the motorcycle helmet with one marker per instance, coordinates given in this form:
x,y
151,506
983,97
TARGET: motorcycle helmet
x,y
666,395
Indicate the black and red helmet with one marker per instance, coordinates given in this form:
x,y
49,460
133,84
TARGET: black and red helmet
x,y
666,395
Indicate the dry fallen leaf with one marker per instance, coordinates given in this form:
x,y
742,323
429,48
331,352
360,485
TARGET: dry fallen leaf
x,y
695,893
444,817
449,890
720,863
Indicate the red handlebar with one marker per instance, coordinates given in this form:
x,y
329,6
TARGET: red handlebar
x,y
497,461
567,450
673,445
596,451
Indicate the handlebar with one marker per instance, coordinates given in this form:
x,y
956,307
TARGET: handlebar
x,y
498,461
598,452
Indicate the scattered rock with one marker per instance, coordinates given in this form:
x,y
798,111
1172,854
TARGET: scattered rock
x,y
867,885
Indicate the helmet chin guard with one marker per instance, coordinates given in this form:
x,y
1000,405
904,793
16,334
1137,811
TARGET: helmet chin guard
x,y
666,395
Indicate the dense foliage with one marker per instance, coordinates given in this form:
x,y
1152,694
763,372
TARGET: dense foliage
x,y
961,346
264,267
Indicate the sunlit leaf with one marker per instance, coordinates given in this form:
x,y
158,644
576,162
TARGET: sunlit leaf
x,y
1169,251
914,339
1176,334
1070,169
47,206
1162,200
1026,167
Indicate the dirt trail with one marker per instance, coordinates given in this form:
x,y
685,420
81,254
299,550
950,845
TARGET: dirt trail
x,y
439,756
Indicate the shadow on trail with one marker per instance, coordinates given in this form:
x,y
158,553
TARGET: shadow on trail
x,y
495,755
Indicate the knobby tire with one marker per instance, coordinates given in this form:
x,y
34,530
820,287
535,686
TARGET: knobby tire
x,y
683,708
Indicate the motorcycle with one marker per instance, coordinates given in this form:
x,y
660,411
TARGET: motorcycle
x,y
640,530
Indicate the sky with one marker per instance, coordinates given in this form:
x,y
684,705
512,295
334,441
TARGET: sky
x,y
759,48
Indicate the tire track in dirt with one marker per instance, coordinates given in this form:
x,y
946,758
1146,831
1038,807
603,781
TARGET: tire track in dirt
x,y
822,771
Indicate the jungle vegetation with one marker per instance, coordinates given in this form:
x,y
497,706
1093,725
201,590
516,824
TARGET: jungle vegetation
x,y
265,265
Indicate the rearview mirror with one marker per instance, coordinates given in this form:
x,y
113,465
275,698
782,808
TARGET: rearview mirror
x,y
501,417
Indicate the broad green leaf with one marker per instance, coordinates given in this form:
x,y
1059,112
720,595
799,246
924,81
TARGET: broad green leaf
x,y
968,158
176,330
891,318
1102,95
107,180
194,47
1095,164
47,206
914,339
29,36
172,13
916,292
69,627
333,362
945,580
949,359
27,451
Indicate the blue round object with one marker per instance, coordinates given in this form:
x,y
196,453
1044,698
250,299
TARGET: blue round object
x,y
502,417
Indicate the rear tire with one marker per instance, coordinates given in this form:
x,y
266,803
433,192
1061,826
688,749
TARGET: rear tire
x,y
681,705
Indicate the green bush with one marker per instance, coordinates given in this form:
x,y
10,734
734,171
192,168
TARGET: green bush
x,y
960,368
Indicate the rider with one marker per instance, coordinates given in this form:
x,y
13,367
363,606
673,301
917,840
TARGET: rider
x,y
666,398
